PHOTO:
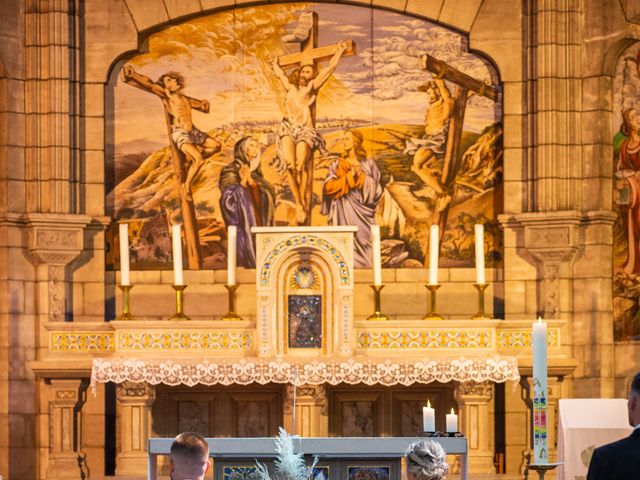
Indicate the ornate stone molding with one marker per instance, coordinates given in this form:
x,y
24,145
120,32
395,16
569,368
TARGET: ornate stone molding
x,y
54,241
317,394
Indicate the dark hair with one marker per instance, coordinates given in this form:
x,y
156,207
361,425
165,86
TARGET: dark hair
x,y
175,75
625,128
635,383
191,446
294,77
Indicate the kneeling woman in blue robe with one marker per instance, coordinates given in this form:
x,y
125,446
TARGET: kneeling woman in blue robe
x,y
247,199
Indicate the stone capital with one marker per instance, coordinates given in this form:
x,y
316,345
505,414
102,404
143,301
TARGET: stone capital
x,y
55,239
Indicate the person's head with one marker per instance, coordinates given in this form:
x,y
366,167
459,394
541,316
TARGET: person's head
x,y
432,91
247,151
630,122
352,141
426,460
302,76
189,457
634,401
172,81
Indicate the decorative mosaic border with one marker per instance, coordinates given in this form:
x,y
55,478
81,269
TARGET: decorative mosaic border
x,y
83,342
522,338
185,340
426,339
77,342
301,241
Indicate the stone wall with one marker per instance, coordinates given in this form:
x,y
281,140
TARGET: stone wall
x,y
57,60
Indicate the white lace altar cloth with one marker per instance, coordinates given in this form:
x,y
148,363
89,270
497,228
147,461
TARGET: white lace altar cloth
x,y
315,372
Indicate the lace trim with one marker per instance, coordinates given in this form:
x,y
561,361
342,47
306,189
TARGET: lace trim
x,y
314,372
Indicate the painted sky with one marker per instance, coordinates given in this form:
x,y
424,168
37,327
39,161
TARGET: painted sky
x,y
225,59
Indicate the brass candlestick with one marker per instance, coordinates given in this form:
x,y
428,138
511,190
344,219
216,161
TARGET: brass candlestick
x,y
543,468
179,315
231,315
376,315
126,314
431,311
481,287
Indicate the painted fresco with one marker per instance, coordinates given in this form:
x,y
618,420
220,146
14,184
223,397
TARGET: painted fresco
x,y
306,114
626,195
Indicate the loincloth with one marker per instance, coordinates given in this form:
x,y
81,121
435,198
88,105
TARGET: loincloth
x,y
436,142
300,133
180,136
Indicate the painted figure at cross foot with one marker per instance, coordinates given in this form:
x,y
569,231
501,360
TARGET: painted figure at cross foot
x,y
195,144
247,199
298,138
351,194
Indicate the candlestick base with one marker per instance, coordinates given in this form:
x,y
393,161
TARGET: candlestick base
x,y
481,315
125,315
179,315
377,314
541,468
431,311
231,315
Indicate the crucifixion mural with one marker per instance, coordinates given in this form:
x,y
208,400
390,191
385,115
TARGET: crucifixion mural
x,y
269,116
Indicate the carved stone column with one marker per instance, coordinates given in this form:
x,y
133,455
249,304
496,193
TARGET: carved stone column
x,y
550,241
61,396
54,241
133,407
312,411
473,401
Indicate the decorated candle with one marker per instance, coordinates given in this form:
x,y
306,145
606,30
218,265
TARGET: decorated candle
x,y
176,237
377,263
428,418
452,422
480,277
434,238
232,245
540,433
124,254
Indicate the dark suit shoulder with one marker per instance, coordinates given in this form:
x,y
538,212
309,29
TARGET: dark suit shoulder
x,y
617,460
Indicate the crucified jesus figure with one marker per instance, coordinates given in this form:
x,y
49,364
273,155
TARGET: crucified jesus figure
x,y
196,145
298,138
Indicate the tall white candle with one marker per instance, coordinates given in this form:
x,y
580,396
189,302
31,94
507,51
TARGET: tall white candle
x,y
540,432
377,262
124,254
434,239
176,237
428,418
480,276
232,240
452,422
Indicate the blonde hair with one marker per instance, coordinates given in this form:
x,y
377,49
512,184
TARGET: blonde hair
x,y
426,460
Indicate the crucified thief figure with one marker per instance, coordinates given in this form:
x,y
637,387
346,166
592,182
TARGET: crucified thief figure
x,y
196,145
298,138
430,150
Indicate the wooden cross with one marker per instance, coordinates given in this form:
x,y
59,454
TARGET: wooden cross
x,y
465,84
311,54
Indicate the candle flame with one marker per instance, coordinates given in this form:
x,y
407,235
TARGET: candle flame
x,y
428,404
452,412
539,320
